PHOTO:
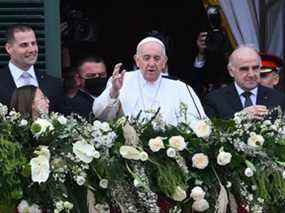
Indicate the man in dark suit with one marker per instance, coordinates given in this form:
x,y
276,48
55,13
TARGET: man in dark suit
x,y
245,93
23,51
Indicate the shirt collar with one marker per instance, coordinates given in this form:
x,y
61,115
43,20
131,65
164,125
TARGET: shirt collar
x,y
240,90
17,72
147,83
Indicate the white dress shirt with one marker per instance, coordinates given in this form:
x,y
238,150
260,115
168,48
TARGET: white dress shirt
x,y
253,97
16,73
199,62
138,95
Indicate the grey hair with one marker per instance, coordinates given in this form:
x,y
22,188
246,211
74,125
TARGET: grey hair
x,y
249,46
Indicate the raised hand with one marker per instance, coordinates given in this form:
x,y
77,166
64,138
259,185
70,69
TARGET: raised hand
x,y
117,80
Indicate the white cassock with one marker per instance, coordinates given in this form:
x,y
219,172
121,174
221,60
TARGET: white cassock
x,y
138,95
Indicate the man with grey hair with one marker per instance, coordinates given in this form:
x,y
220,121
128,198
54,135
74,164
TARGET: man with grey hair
x,y
245,93
145,90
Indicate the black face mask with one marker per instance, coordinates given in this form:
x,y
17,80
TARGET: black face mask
x,y
95,86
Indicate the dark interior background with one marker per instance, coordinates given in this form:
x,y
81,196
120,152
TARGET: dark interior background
x,y
119,25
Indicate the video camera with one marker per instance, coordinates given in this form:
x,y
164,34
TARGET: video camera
x,y
77,27
215,40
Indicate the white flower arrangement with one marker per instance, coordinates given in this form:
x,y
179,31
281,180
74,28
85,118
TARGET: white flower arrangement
x,y
255,140
75,151
156,144
23,122
104,183
202,129
177,142
41,126
179,194
62,120
200,161
131,153
197,193
40,167
171,152
200,205
248,172
24,207
85,151
223,157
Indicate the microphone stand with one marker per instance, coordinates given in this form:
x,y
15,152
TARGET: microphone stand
x,y
193,100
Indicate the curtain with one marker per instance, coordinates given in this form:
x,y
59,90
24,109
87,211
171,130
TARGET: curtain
x,y
257,22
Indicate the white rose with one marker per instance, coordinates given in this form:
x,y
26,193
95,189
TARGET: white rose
x,y
255,140
96,154
62,120
59,205
144,156
155,144
200,161
224,158
197,193
248,172
177,142
102,208
130,153
40,169
179,194
23,122
170,152
44,125
202,129
23,207
84,151
80,180
67,205
229,184
103,183
200,205
34,209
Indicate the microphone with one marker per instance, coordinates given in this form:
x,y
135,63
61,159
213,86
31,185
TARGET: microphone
x,y
193,100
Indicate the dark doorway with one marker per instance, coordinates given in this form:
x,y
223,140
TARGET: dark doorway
x,y
117,27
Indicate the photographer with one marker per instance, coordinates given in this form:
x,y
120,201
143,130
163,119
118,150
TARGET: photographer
x,y
209,68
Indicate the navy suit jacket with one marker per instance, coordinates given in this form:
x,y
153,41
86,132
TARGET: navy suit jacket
x,y
225,102
50,86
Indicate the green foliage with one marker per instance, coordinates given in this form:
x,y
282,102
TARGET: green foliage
x,y
12,162
168,177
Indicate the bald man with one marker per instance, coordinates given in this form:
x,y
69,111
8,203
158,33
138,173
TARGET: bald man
x,y
245,93
146,90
